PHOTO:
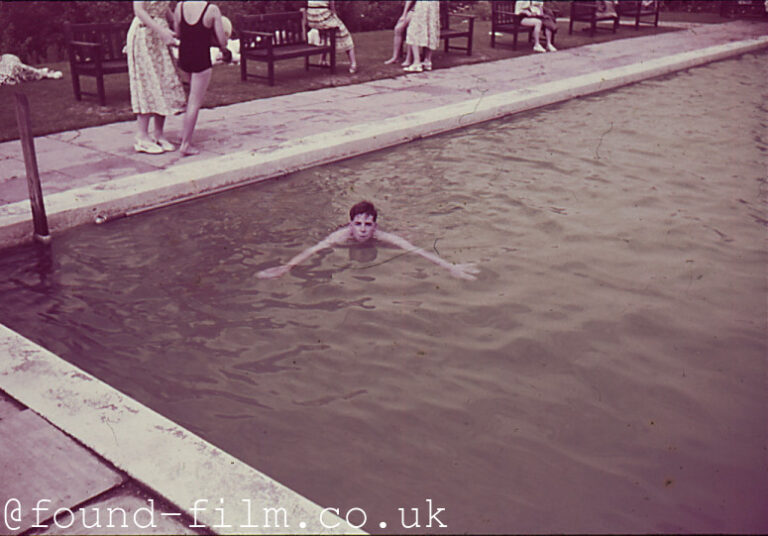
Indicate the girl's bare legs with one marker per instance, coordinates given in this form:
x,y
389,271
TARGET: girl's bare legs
x,y
352,61
397,40
548,35
198,85
408,57
142,127
536,23
416,51
416,66
159,133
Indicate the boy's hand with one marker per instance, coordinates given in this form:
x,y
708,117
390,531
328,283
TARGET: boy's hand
x,y
465,271
274,272
226,55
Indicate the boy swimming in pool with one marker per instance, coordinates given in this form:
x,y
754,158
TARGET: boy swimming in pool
x,y
362,228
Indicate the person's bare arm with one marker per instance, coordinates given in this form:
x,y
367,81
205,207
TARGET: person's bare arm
x,y
337,237
177,20
166,34
218,26
463,271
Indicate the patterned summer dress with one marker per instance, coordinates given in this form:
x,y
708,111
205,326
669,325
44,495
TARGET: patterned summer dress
x,y
320,16
155,85
424,28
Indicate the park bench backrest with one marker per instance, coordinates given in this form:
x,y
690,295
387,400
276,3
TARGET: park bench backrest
x,y
286,27
110,35
582,9
631,7
503,11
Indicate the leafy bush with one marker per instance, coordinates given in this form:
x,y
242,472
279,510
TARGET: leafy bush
x,y
368,16
34,31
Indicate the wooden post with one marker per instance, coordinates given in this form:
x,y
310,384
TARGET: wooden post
x,y
33,177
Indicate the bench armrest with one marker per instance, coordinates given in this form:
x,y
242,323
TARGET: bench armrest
x,y
86,44
89,50
254,33
465,16
254,39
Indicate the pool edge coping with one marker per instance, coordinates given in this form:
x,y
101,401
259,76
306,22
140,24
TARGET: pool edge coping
x,y
182,467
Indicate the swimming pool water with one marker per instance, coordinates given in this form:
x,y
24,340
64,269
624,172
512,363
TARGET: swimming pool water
x,y
605,373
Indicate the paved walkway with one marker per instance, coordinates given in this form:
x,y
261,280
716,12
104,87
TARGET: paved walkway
x,y
94,173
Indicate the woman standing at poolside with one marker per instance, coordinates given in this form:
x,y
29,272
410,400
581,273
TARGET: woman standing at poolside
x,y
423,31
156,90
321,14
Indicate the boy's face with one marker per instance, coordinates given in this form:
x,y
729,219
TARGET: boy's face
x,y
362,227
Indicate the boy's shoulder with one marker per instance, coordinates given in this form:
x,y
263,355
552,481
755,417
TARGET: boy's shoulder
x,y
340,235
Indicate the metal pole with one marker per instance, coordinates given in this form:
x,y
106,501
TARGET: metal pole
x,y
33,177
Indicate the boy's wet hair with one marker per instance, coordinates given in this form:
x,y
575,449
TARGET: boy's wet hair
x,y
363,207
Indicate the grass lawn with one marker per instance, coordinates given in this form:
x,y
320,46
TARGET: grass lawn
x,y
54,108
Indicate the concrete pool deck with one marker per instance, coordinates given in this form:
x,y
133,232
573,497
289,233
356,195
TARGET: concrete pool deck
x,y
94,174
262,139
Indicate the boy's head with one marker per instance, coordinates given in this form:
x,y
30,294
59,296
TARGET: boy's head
x,y
363,207
362,218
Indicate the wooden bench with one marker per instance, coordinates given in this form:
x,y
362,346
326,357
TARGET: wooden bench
x,y
96,49
590,12
744,8
447,32
271,37
504,20
639,9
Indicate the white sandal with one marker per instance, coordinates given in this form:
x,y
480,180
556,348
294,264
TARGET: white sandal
x,y
165,145
144,146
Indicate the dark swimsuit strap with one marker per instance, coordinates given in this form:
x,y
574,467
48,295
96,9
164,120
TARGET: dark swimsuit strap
x,y
199,18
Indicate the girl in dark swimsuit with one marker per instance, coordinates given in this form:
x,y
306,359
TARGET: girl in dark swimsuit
x,y
195,58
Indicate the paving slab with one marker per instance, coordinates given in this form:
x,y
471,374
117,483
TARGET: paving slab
x,y
126,510
40,467
8,406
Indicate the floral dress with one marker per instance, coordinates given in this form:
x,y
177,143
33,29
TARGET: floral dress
x,y
155,85
320,16
424,28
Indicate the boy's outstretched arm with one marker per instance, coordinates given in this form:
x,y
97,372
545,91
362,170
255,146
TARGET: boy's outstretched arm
x,y
331,240
463,271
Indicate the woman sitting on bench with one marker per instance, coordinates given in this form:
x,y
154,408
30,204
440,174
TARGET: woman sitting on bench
x,y
321,14
536,15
